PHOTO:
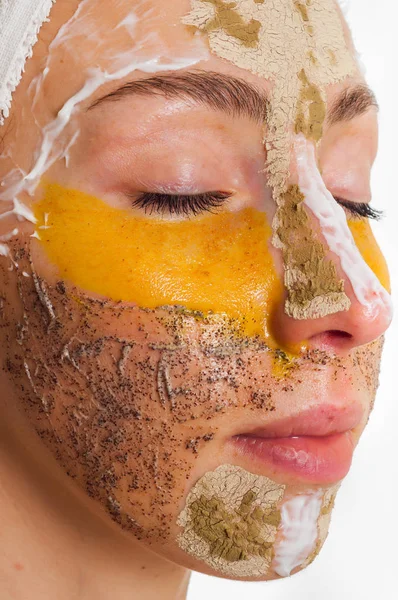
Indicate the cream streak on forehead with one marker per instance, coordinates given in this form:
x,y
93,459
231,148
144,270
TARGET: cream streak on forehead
x,y
112,50
277,39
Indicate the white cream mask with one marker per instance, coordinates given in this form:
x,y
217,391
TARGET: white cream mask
x,y
299,517
305,521
333,222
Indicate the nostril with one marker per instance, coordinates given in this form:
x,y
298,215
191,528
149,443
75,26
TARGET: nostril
x,y
331,341
336,333
332,334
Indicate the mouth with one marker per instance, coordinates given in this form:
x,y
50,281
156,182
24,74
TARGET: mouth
x,y
315,446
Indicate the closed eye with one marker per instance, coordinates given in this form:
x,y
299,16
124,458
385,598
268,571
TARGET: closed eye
x,y
360,210
175,204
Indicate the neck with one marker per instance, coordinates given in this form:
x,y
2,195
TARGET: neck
x,y
63,548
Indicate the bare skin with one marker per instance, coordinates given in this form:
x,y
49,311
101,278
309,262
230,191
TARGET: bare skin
x,y
110,412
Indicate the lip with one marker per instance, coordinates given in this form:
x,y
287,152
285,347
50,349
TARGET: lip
x,y
315,446
323,420
313,459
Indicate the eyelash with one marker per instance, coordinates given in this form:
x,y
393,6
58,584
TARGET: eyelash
x,y
360,210
175,204
187,205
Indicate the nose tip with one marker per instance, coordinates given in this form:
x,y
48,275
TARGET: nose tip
x,y
368,324
339,332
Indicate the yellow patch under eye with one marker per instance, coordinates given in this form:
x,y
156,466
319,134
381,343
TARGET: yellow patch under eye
x,y
215,262
370,250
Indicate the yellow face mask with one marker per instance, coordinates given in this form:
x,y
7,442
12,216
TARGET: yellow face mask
x,y
215,262
369,248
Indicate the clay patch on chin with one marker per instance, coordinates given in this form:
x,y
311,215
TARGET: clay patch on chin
x,y
230,521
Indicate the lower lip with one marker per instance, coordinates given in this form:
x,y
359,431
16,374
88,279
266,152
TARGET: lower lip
x,y
313,459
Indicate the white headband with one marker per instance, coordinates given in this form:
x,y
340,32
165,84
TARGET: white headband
x,y
20,23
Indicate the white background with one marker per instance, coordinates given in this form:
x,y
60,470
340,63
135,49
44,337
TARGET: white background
x,y
359,560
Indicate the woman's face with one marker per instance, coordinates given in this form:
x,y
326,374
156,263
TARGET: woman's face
x,y
182,286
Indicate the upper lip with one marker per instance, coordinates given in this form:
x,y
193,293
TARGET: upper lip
x,y
322,420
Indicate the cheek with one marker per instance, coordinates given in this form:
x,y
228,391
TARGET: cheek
x,y
128,400
220,263
370,250
95,383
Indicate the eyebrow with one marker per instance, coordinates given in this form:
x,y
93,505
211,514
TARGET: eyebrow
x,y
232,95
352,102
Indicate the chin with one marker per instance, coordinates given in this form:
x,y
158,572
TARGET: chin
x,y
244,526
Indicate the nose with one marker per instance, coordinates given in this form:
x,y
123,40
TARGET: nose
x,y
341,331
356,308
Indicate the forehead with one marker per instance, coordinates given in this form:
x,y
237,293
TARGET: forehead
x,y
91,34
